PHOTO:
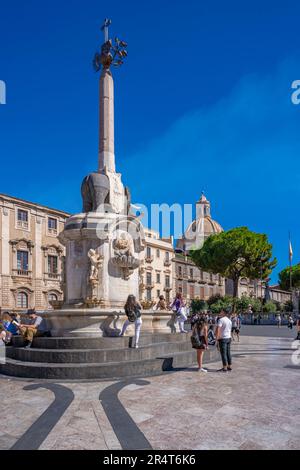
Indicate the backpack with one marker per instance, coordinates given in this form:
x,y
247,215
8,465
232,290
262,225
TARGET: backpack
x,y
196,339
133,315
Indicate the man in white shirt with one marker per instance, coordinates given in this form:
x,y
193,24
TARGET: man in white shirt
x,y
223,335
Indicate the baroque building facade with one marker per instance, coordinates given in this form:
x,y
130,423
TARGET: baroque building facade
x,y
156,272
189,280
31,257
32,260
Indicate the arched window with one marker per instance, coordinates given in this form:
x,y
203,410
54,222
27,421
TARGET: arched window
x,y
52,298
22,300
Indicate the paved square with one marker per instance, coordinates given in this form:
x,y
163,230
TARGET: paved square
x,y
254,407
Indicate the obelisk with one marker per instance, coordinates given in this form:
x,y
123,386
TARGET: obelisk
x,y
106,134
111,54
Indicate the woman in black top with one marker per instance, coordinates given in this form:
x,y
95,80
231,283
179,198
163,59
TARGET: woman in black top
x,y
200,343
133,311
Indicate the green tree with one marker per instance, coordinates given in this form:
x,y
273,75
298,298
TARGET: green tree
x,y
284,277
236,253
218,302
198,305
243,303
270,307
288,306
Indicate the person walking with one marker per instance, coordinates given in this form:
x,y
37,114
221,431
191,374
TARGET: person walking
x,y
290,322
278,320
133,312
235,329
223,336
178,307
199,340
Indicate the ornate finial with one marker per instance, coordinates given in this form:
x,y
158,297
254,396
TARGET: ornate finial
x,y
111,53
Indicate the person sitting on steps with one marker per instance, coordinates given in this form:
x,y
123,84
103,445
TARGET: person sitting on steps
x,y
36,327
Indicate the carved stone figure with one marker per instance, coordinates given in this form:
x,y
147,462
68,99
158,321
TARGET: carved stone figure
x,y
123,245
94,191
124,255
95,265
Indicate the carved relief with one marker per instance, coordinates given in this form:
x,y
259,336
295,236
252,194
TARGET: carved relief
x,y
124,255
95,265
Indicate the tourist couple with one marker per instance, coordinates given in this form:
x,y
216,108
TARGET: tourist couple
x,y
12,326
199,340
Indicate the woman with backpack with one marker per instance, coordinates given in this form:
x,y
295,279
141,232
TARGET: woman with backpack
x,y
199,340
133,311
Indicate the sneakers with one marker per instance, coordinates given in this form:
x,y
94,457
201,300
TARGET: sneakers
x,y
202,370
28,345
229,369
222,370
184,331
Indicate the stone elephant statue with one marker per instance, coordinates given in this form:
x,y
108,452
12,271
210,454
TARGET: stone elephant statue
x,y
95,191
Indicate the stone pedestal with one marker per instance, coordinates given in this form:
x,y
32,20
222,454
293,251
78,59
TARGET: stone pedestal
x,y
103,253
95,322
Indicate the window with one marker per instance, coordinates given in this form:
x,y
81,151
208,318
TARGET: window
x,y
158,278
167,256
22,219
52,223
180,290
191,273
158,293
22,260
52,264
192,292
149,295
52,298
22,300
149,279
157,254
148,252
22,215
167,281
179,271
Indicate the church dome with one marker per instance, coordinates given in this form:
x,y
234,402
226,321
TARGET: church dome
x,y
201,228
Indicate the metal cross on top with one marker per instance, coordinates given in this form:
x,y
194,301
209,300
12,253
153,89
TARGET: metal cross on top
x,y
105,27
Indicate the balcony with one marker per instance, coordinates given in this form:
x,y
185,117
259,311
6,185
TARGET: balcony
x,y
52,276
22,224
167,288
22,273
149,259
149,285
167,262
52,231
191,279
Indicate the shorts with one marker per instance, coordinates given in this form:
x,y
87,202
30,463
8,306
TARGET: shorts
x,y
235,329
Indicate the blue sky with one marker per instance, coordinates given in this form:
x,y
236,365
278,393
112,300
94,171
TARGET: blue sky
x,y
202,103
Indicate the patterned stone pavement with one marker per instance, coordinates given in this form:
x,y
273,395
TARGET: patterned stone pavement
x,y
256,406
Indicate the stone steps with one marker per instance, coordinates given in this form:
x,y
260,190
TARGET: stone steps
x,y
96,355
100,358
100,342
110,370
